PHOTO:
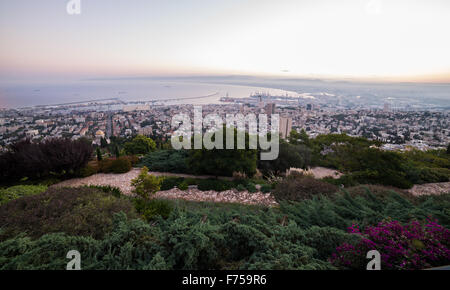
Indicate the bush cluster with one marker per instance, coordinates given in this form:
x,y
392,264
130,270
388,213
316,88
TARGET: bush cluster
x,y
55,157
365,165
211,184
152,208
122,164
412,246
76,211
297,187
115,191
298,235
173,161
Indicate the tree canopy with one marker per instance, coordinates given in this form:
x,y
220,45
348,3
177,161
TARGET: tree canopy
x,y
223,162
290,156
140,145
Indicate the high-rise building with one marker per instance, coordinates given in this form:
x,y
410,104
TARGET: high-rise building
x,y
285,127
270,108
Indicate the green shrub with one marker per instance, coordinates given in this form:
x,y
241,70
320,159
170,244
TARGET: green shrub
x,y
114,191
266,188
326,239
433,175
365,165
241,187
89,170
251,187
214,184
346,180
149,209
201,236
298,188
382,192
170,182
121,165
145,184
18,191
183,186
173,161
76,211
105,166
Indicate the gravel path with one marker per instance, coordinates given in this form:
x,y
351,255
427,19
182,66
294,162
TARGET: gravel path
x,y
123,181
430,188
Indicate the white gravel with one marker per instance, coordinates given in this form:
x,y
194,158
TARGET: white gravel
x,y
430,188
123,181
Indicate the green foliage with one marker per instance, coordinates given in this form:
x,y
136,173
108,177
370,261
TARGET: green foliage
x,y
430,158
346,180
427,166
149,209
200,236
89,170
183,185
220,162
140,145
116,151
170,182
363,164
145,184
322,141
166,161
18,191
214,184
77,211
103,143
290,156
119,165
298,187
115,191
326,239
266,188
251,187
99,154
296,138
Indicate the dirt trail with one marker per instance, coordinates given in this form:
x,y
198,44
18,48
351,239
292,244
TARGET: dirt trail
x,y
123,181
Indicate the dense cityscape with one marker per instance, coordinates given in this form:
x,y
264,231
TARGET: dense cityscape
x,y
398,129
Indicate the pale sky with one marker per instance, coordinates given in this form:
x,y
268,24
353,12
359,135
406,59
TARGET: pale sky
x,y
389,39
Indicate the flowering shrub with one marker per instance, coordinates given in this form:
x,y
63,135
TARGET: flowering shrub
x,y
412,246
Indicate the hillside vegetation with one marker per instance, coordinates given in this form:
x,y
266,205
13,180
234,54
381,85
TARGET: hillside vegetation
x,y
297,235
